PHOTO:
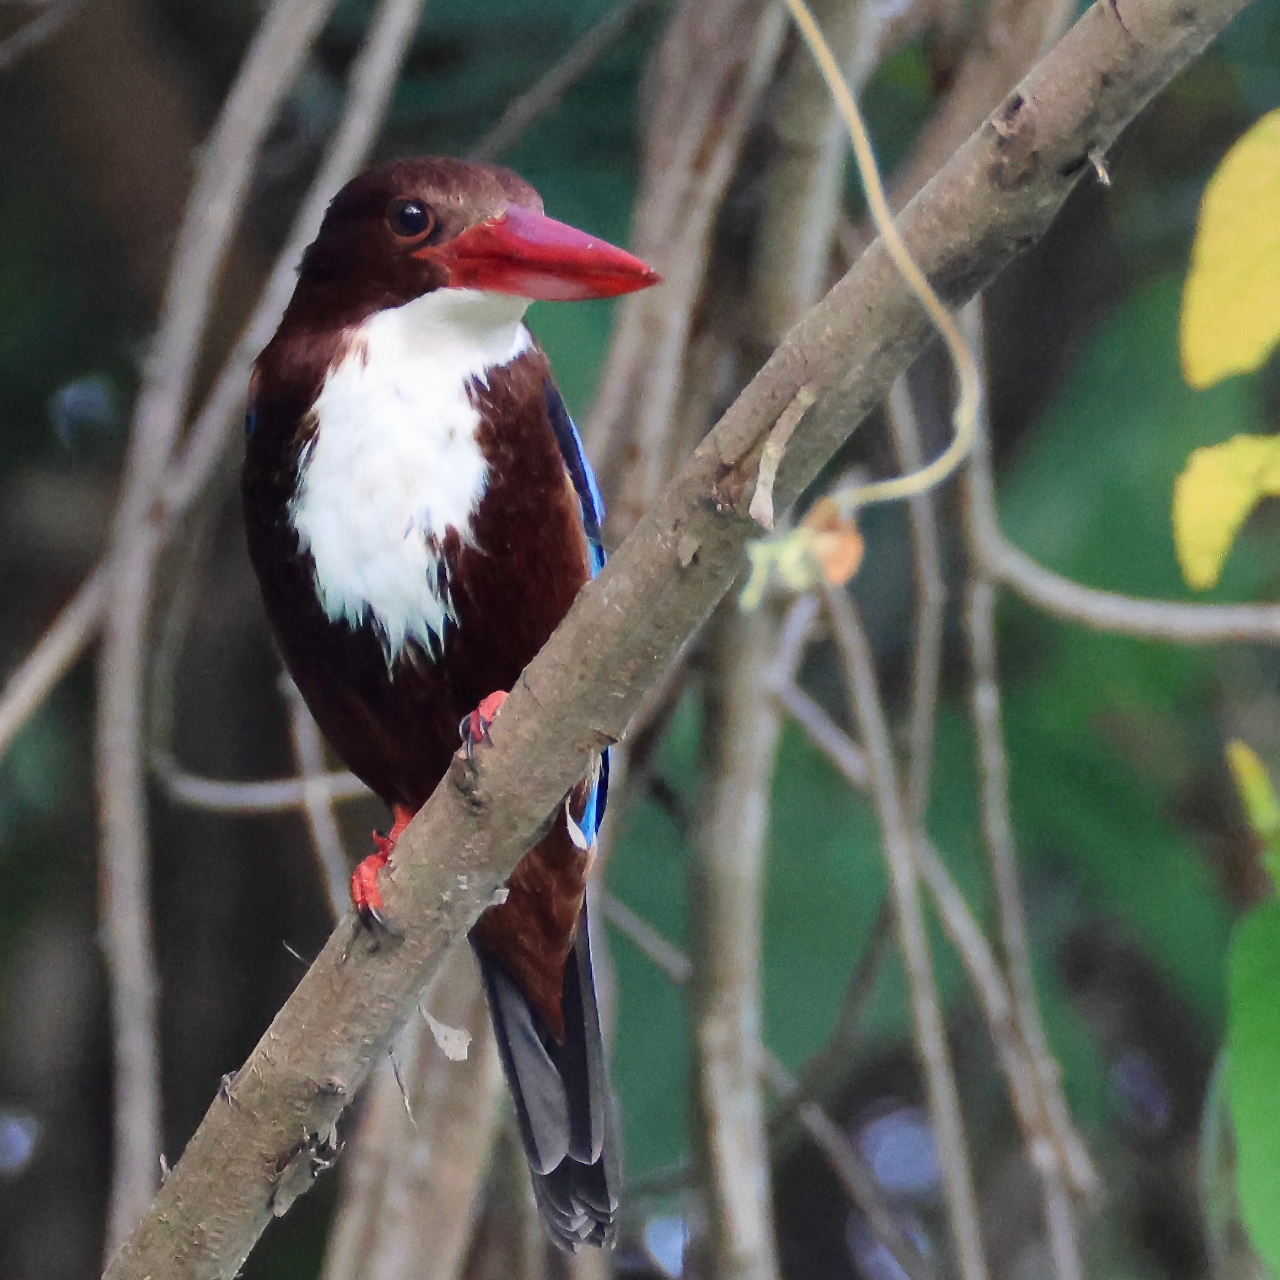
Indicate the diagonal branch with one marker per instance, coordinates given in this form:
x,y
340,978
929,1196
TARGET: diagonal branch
x,y
995,196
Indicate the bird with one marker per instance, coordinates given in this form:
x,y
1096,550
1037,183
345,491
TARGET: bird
x,y
421,514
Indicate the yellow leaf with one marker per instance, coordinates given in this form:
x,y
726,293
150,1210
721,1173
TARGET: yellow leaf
x,y
1231,303
1213,496
1253,784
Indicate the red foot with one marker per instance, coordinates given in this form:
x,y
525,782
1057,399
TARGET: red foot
x,y
474,728
365,893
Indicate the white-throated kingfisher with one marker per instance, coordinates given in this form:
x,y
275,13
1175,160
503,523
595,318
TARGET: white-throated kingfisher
x,y
421,514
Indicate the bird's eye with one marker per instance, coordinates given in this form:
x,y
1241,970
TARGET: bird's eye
x,y
409,218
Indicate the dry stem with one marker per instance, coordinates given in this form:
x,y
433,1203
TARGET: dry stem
x,y
913,940
740,731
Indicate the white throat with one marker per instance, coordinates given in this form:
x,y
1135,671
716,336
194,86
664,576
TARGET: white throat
x,y
394,462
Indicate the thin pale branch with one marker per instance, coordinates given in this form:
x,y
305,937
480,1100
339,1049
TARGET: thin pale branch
x,y
740,730
931,602
713,63
317,798
913,940
217,199
1167,620
1056,1165
825,733
33,34
1040,1123
53,656
528,108
844,1158
998,192
221,796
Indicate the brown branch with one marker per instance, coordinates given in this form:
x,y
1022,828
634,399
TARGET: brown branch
x,y
217,198
993,198
409,1184
1053,1163
34,33
524,111
1050,1137
844,1158
317,798
1017,32
740,731
53,656
1167,620
931,602
709,71
913,940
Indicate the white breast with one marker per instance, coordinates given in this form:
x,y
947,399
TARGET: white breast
x,y
394,462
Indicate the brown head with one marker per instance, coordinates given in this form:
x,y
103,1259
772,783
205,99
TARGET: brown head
x,y
408,227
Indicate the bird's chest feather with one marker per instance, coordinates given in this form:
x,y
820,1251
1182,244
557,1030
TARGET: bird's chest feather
x,y
395,463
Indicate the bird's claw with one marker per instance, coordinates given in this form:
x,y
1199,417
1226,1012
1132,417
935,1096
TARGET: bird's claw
x,y
366,897
375,920
473,729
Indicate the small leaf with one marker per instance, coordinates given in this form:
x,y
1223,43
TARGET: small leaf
x,y
452,1041
1231,303
1260,804
1254,1045
826,547
836,542
1213,496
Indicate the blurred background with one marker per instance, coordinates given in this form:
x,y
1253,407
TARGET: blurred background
x,y
1133,854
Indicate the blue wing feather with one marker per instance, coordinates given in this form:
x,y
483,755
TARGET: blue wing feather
x,y
584,484
584,481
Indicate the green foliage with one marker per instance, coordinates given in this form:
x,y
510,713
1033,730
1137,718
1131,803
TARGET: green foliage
x,y
1255,1068
1099,729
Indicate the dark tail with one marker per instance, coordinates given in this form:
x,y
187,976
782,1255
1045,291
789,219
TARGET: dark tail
x,y
563,1102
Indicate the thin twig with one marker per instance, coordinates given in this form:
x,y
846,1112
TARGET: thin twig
x,y
317,798
217,199
524,111
373,78
1040,1123
1056,1166
825,733
673,962
831,1062
52,657
1167,620
844,1158
913,940
740,730
931,601
34,33
219,795
851,1168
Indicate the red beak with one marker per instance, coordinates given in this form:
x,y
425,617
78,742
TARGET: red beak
x,y
533,256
